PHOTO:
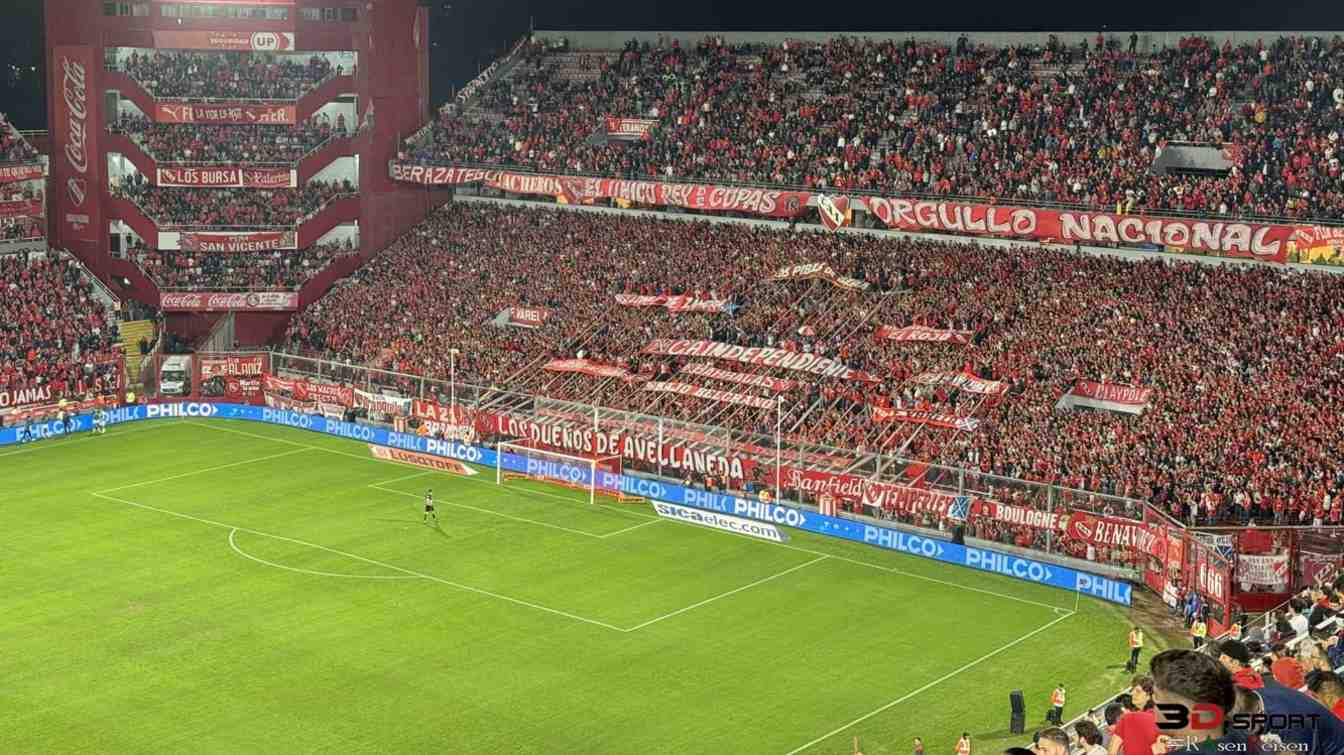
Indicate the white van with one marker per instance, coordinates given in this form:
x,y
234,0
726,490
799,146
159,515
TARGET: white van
x,y
175,376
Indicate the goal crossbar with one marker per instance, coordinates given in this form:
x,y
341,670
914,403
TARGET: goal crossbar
x,y
597,475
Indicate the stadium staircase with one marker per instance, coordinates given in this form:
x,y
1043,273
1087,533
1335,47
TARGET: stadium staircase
x,y
131,333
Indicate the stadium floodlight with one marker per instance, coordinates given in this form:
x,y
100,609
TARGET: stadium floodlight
x,y
598,475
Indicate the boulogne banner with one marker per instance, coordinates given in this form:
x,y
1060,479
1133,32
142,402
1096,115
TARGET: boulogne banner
x,y
227,177
709,394
577,190
1268,243
238,243
763,356
255,301
225,114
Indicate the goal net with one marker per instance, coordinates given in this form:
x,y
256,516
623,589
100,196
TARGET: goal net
x,y
599,475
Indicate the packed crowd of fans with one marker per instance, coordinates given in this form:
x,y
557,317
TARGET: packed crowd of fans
x,y
231,144
1244,362
228,75
1026,124
13,147
279,270
225,208
53,331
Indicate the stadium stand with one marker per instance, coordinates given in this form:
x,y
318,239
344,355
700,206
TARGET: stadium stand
x,y
229,208
13,147
1040,124
53,331
230,144
1238,426
191,75
280,270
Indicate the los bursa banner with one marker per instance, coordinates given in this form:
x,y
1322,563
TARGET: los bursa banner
x,y
1017,567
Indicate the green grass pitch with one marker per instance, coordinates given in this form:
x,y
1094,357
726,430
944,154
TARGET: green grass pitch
x,y
231,587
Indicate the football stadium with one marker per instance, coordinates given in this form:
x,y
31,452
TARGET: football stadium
x,y
974,393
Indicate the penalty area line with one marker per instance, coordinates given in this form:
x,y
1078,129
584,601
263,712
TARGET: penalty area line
x,y
928,686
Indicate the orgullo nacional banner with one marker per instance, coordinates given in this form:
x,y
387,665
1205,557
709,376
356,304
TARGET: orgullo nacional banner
x,y
821,271
12,173
238,243
264,41
225,114
763,356
630,128
921,333
673,303
576,190
254,301
593,369
21,208
227,178
1240,240
709,394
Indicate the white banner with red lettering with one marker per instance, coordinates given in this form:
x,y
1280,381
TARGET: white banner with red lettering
x,y
920,417
921,333
12,173
378,403
593,369
675,304
1270,571
964,381
237,243
276,40
236,115
523,317
819,271
633,129
578,190
763,356
286,403
1258,241
711,394
227,178
446,422
1114,397
255,301
777,385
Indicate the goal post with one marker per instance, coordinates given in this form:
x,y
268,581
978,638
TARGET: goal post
x,y
598,475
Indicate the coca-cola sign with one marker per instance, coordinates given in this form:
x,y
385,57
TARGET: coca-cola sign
x,y
272,301
74,110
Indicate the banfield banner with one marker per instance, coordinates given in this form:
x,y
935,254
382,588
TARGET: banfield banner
x,y
264,41
76,184
227,178
256,301
238,243
1256,241
226,114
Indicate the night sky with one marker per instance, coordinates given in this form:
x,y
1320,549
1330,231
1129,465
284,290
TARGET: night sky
x,y
468,34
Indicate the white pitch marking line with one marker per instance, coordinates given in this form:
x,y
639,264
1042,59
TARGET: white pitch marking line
x,y
495,513
633,527
888,569
385,565
70,440
930,685
402,479
234,545
201,471
720,596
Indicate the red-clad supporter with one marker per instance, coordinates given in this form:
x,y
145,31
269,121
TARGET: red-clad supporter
x,y
227,75
230,144
1023,124
229,208
53,331
279,270
1244,362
